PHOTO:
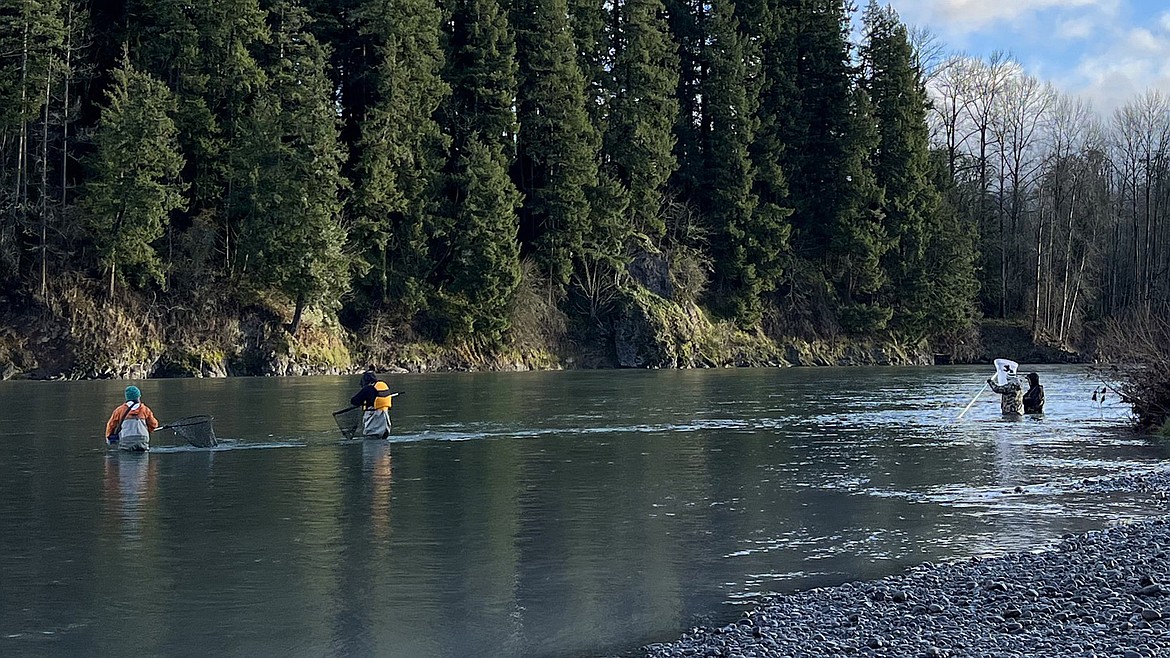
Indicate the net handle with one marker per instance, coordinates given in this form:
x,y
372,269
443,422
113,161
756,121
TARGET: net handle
x,y
351,408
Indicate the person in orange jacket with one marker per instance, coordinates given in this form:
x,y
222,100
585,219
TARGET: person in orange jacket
x,y
131,423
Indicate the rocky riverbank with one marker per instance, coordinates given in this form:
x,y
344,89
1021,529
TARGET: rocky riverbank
x,y
1102,594
79,335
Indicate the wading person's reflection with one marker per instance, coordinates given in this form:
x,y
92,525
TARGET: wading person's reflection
x,y
131,480
363,575
377,467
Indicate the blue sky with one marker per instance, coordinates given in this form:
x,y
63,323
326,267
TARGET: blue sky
x,y
1108,51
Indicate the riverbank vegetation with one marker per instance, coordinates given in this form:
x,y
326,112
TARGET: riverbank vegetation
x,y
1138,351
285,186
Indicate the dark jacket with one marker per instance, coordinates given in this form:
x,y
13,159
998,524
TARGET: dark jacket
x,y
373,396
1034,400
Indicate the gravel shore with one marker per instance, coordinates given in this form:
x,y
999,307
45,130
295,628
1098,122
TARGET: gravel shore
x,y
1102,593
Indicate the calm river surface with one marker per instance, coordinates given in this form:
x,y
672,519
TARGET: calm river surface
x,y
522,514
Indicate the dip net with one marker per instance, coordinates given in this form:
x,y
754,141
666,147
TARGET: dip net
x,y
196,430
349,421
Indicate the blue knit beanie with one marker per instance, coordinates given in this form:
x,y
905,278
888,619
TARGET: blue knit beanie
x,y
132,393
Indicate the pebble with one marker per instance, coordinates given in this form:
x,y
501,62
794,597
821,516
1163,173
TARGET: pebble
x,y
1096,594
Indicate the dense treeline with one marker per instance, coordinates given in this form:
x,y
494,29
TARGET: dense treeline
x,y
1069,205
481,169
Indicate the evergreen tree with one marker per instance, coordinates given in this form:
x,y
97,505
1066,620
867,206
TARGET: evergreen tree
x,y
133,187
481,71
858,238
290,232
817,117
556,165
205,50
949,299
640,138
826,126
746,244
588,19
765,41
684,18
483,269
354,57
399,158
477,252
901,164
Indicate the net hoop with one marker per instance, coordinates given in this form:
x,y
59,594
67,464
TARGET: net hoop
x,y
196,430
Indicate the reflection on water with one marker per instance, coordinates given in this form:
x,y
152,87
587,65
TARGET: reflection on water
x,y
527,514
130,484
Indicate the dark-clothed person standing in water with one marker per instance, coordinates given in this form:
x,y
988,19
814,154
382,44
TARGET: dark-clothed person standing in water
x,y
1034,397
375,398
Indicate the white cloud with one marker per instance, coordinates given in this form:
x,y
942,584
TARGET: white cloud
x,y
1130,62
965,16
1077,28
1142,40
1107,51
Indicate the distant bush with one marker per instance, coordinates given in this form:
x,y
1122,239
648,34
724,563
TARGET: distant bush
x,y
1138,351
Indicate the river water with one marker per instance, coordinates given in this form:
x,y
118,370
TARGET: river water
x,y
522,514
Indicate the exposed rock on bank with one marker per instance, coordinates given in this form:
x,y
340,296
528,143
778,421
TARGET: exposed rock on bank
x,y
652,332
1103,593
79,335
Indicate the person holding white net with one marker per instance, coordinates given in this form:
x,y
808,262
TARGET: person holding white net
x,y
1011,394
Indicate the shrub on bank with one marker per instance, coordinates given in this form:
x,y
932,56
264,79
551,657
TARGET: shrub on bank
x,y
1139,349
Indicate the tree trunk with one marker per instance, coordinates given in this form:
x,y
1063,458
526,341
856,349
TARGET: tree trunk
x,y
1064,308
68,74
22,143
297,314
44,200
1039,272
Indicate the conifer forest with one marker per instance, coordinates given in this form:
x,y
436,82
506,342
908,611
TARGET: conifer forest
x,y
510,173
